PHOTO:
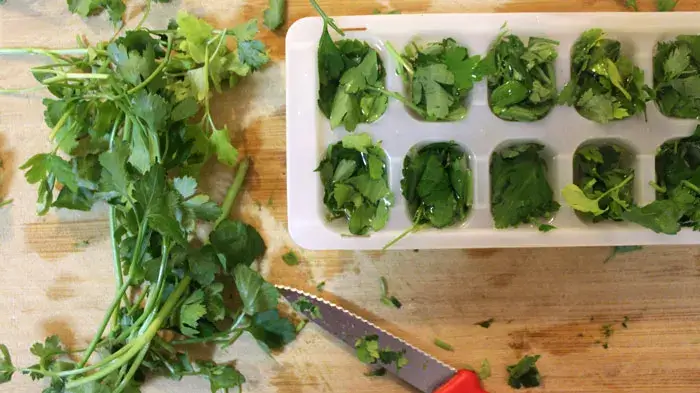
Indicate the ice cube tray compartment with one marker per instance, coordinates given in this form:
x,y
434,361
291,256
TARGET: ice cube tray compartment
x,y
562,131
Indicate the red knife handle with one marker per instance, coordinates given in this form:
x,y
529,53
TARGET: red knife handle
x,y
464,381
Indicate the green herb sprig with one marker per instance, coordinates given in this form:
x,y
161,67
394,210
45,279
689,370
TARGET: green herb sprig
x,y
356,187
677,77
605,85
131,127
603,188
522,85
520,191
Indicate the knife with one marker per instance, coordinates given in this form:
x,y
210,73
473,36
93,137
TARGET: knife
x,y
422,371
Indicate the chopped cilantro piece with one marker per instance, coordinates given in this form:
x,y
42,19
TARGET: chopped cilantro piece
x,y
621,250
368,351
290,258
441,344
524,374
485,324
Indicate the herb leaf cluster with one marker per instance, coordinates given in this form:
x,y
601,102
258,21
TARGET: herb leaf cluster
x,y
368,351
677,77
605,85
520,191
677,201
131,127
521,80
356,186
437,184
351,79
603,188
439,76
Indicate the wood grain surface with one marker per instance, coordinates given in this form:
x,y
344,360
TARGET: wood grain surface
x,y
56,278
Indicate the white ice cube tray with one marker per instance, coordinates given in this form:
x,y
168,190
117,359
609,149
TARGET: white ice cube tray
x,y
480,133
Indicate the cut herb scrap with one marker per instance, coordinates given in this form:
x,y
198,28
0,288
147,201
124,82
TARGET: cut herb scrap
x,y
520,191
524,374
385,298
677,77
273,17
677,203
521,80
368,351
602,188
351,79
438,77
605,85
356,187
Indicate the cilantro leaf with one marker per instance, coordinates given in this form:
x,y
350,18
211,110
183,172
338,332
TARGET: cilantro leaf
x,y
621,250
238,242
523,85
252,53
225,152
368,351
273,17
221,377
190,312
524,374
485,324
520,191
257,295
47,351
7,369
632,4
271,330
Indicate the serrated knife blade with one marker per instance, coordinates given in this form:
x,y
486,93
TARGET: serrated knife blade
x,y
424,372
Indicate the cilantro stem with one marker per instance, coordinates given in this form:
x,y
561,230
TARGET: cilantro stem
x,y
60,123
657,187
137,345
145,15
233,191
155,72
105,320
413,229
326,19
70,75
44,52
22,91
399,59
399,98
134,366
691,186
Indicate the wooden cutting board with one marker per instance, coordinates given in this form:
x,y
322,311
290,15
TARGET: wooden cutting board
x,y
56,277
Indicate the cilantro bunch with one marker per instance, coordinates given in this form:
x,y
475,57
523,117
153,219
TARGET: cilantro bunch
x,y
604,85
437,184
351,79
603,189
522,86
677,202
520,192
355,182
439,76
131,128
677,77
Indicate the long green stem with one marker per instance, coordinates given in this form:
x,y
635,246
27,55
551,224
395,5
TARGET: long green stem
x,y
413,229
233,191
138,344
400,98
132,369
326,19
103,325
60,124
44,52
399,59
